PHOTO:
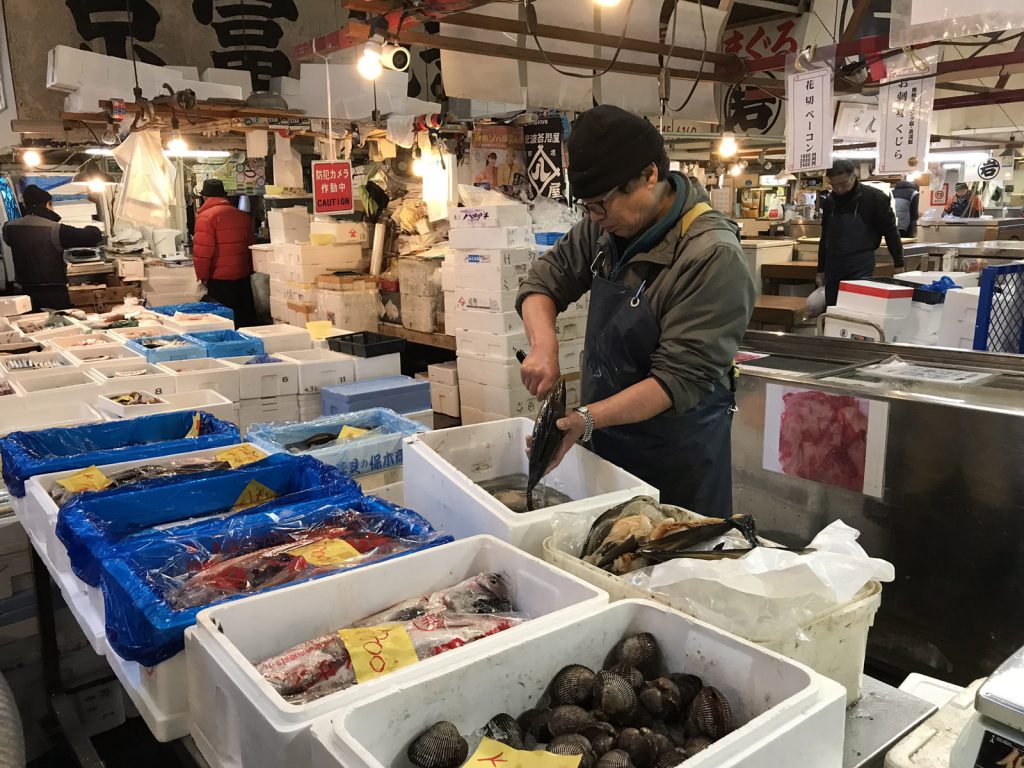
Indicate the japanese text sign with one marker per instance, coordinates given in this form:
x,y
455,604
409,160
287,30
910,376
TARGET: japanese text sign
x,y
809,120
332,187
905,106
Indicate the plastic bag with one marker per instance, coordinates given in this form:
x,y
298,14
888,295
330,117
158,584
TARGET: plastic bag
x,y
91,524
147,187
769,594
435,623
196,308
143,574
815,304
26,454
552,216
478,197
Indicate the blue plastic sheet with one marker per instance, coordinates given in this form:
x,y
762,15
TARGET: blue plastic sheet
x,y
144,575
378,450
27,454
226,343
89,525
942,285
196,308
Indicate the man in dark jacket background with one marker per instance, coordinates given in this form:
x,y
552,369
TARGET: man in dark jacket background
x,y
221,255
38,241
907,198
854,219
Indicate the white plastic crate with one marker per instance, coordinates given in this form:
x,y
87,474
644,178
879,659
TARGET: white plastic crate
x,y
205,373
237,717
279,338
261,380
320,368
143,375
442,470
73,385
787,715
14,367
834,644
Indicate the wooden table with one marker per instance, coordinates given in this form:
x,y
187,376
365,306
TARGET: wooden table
x,y
438,340
802,272
783,311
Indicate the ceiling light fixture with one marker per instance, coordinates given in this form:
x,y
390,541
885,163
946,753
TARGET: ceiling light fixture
x,y
32,158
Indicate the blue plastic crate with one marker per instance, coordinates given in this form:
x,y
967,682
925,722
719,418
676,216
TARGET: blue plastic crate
x,y
27,454
143,626
226,343
196,308
190,351
92,523
398,393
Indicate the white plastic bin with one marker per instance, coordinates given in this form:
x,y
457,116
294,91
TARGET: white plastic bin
x,y
135,374
238,719
788,716
205,373
262,380
279,338
442,470
320,368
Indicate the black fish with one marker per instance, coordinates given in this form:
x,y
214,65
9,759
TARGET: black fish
x,y
313,441
546,438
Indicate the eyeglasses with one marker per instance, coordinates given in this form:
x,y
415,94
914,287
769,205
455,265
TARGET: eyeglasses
x,y
598,208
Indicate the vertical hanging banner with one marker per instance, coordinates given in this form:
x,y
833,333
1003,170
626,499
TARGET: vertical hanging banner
x,y
809,120
544,158
905,107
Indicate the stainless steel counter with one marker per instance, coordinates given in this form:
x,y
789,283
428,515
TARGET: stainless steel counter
x,y
882,717
969,230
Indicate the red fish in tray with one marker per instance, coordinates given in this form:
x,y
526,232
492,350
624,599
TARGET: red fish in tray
x,y
307,555
435,623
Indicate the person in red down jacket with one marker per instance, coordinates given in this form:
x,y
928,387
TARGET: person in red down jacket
x,y
220,253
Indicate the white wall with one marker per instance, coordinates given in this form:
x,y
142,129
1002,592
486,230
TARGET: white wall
x,y
7,136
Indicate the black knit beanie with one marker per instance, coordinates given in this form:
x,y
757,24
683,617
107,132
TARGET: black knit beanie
x,y
35,197
609,146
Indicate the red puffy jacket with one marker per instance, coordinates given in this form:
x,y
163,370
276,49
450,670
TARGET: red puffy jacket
x,y
220,247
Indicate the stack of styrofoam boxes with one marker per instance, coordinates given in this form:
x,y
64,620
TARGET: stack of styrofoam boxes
x,y
419,281
926,319
444,389
959,318
170,285
870,311
348,301
267,391
303,263
287,227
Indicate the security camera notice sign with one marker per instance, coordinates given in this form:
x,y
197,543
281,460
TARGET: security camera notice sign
x,y
332,186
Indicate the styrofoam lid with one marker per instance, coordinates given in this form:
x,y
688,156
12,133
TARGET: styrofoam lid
x,y
877,290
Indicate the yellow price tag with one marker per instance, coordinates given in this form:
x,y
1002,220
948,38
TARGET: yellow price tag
x,y
347,432
376,651
494,754
326,553
319,329
194,430
240,455
254,493
89,479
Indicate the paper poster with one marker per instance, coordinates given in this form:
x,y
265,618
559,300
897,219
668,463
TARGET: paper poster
x,y
809,120
836,440
498,158
905,110
545,158
857,122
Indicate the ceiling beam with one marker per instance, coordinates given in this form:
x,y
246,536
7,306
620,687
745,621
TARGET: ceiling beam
x,y
979,99
1004,79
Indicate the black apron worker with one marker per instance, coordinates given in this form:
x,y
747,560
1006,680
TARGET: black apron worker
x,y
670,299
854,219
38,241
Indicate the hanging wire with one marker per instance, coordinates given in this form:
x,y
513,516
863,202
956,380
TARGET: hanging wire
x,y
131,47
531,26
700,71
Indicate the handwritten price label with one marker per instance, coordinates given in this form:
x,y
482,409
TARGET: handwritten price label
x,y
253,494
347,432
376,651
194,429
89,479
326,553
494,754
241,455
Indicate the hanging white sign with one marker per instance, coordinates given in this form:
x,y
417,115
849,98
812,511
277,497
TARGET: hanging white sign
x,y
809,120
906,110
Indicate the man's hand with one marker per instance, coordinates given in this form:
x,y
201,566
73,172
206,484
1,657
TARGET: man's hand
x,y
540,371
819,280
574,425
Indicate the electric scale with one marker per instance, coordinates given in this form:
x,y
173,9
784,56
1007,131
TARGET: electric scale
x,y
994,738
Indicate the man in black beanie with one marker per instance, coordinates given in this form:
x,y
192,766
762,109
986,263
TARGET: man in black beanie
x,y
670,299
38,241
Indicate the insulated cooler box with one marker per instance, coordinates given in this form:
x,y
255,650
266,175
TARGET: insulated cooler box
x,y
221,344
398,393
195,308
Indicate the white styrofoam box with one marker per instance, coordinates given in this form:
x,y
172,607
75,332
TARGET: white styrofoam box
x,y
265,379
937,692
502,346
278,273
267,409
279,338
15,305
963,279
331,257
786,715
72,385
508,215
483,321
278,308
237,77
490,238
867,297
426,418
444,398
33,414
130,268
340,232
444,373
490,301
924,323
959,318
286,86
301,293
379,367
67,68
205,373
189,73
184,322
936,742
158,693
220,91
34,362
81,341
320,368
142,332
310,407
288,225
141,375
449,280
52,333
106,404
308,273
570,355
443,467
260,258
471,416
355,310
352,97
239,717
206,400
488,277
322,343
163,299
90,356
502,401
861,326
489,370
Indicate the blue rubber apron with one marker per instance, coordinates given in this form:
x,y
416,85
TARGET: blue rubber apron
x,y
687,457
849,252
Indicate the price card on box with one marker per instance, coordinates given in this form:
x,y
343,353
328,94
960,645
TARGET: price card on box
x,y
493,754
376,651
332,186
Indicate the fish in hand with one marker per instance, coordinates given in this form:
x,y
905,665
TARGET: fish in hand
x,y
546,438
